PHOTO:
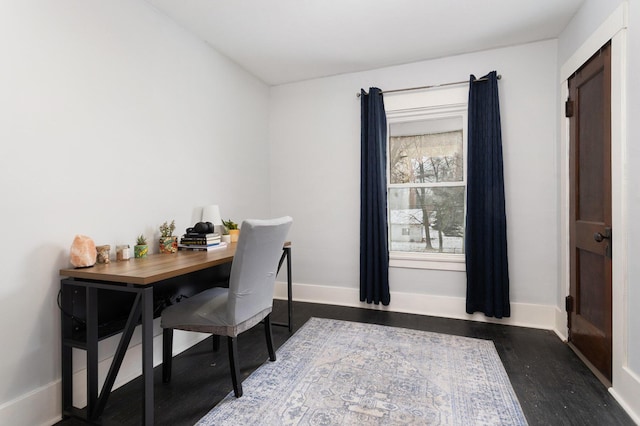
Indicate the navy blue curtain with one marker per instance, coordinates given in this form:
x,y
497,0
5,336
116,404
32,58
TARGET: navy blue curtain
x,y
374,247
486,223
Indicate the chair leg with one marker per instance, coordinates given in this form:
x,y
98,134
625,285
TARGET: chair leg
x,y
233,364
167,354
267,333
216,343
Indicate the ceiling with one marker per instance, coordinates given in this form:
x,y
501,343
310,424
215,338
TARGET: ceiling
x,y
282,41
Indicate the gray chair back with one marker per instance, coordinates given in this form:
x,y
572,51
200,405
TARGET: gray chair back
x,y
254,267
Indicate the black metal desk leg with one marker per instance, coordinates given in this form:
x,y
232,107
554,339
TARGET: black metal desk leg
x,y
92,351
147,355
67,352
286,253
289,288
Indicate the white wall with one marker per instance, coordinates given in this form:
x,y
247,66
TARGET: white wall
x,y
315,143
590,15
112,120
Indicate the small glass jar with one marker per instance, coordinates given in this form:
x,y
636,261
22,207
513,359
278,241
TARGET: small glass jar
x,y
123,252
103,253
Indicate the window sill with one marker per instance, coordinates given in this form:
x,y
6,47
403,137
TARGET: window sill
x,y
442,262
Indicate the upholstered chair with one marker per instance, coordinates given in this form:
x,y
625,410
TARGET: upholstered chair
x,y
248,300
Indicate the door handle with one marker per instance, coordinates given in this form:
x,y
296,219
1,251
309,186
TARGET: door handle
x,y
598,237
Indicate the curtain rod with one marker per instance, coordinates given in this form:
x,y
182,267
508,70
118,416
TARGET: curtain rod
x,y
432,86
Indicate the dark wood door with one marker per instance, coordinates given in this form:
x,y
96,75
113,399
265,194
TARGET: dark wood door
x,y
589,303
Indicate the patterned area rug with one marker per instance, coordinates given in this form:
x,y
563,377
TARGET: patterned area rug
x,y
345,373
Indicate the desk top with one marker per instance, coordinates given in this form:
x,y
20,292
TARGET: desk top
x,y
154,267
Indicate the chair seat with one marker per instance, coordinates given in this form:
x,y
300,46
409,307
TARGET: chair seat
x,y
206,312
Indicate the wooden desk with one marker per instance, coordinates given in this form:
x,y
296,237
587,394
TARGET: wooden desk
x,y
138,277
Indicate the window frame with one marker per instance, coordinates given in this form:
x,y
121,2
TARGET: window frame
x,y
444,104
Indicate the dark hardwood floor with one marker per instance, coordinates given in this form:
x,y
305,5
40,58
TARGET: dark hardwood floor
x,y
552,384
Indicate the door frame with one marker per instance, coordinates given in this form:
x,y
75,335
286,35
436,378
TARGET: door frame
x,y
614,29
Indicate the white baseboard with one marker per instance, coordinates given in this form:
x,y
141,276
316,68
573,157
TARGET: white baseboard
x,y
561,325
522,314
38,407
626,390
48,398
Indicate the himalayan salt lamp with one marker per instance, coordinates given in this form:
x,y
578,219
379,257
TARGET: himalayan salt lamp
x,y
83,252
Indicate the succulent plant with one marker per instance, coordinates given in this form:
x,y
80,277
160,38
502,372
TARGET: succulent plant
x,y
141,241
166,229
229,224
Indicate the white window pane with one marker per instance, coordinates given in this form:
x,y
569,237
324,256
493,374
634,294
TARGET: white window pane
x,y
429,220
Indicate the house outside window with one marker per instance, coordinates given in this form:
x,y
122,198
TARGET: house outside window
x,y
426,181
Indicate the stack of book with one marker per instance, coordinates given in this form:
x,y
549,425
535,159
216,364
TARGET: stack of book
x,y
200,242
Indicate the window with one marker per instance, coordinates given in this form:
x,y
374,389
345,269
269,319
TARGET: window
x,y
426,186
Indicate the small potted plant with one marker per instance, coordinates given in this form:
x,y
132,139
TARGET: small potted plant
x,y
225,237
141,248
168,241
232,228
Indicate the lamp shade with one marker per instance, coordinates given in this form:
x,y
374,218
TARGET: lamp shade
x,y
212,214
